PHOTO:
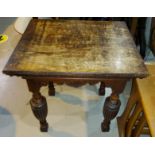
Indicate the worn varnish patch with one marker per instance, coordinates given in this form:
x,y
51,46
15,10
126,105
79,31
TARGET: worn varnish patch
x,y
76,47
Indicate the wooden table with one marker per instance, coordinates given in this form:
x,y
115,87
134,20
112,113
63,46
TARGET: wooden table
x,y
76,52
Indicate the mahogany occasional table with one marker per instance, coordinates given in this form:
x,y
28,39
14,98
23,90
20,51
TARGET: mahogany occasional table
x,y
76,52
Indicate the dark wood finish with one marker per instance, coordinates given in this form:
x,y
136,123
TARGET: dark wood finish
x,y
152,38
138,26
38,103
141,35
134,24
76,52
69,48
51,89
112,103
102,89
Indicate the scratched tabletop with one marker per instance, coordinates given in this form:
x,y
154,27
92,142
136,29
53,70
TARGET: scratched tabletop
x,y
74,47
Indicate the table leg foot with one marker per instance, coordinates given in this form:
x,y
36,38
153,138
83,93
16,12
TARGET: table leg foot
x,y
105,126
110,110
44,126
51,89
102,89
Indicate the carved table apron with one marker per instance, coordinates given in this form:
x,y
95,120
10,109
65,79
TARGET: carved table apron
x,y
76,53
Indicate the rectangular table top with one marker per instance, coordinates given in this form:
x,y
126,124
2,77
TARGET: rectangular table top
x,y
76,48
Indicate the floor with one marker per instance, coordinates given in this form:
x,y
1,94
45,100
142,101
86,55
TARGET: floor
x,y
72,112
4,22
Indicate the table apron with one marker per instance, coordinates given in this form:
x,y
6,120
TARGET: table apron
x,y
111,82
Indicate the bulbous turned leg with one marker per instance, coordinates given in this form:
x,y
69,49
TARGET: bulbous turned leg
x,y
112,103
38,104
110,110
102,89
39,108
51,89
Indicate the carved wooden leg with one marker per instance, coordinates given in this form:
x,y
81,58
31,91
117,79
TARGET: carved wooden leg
x,y
110,110
38,104
102,89
51,89
112,103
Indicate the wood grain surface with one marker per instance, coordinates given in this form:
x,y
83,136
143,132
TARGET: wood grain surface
x,y
74,47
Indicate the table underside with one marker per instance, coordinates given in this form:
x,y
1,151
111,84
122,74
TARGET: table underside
x,y
39,104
